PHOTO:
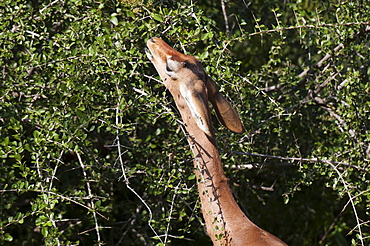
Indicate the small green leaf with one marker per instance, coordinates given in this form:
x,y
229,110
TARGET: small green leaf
x,y
6,141
157,17
191,177
34,207
8,237
45,231
114,20
207,35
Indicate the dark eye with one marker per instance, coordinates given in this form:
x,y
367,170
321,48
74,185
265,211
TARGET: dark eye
x,y
168,69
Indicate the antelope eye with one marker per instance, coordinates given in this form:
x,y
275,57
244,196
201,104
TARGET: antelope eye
x,y
168,69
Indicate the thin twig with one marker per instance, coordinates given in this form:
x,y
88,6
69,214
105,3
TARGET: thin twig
x,y
47,6
300,159
325,58
347,190
125,180
305,26
55,194
92,205
225,17
170,213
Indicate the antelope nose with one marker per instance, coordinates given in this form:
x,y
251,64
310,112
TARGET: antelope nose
x,y
152,40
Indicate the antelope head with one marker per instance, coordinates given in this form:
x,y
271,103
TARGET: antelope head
x,y
185,74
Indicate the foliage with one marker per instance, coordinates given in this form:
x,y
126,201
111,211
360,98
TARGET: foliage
x,y
91,147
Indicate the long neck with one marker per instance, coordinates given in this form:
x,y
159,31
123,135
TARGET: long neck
x,y
226,223
222,215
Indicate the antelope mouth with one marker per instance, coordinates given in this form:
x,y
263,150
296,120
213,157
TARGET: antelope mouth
x,y
148,53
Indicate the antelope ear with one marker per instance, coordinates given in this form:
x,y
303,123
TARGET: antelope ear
x,y
226,114
196,99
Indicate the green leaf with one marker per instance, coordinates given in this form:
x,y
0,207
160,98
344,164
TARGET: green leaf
x,y
207,35
157,17
114,20
6,141
8,237
191,176
44,231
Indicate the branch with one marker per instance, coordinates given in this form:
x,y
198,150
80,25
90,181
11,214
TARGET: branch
x,y
124,176
301,160
92,205
325,58
47,6
309,26
170,213
339,46
55,194
347,190
225,17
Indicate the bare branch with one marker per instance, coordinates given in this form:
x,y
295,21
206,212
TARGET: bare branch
x,y
124,176
225,17
55,194
90,195
351,198
309,26
299,159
